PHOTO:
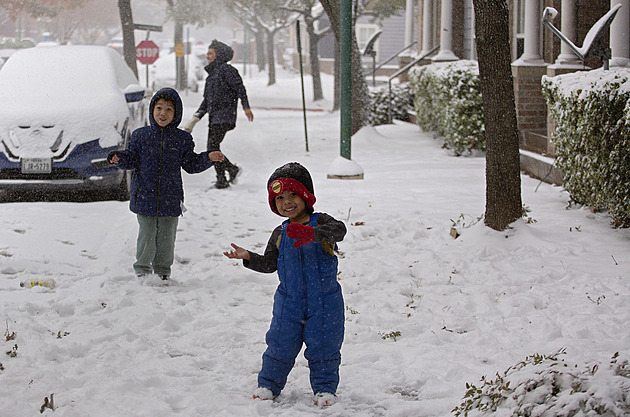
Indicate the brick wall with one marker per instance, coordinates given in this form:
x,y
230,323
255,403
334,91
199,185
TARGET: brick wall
x,y
531,109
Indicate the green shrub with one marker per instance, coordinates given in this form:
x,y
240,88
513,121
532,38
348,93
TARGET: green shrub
x,y
547,385
447,100
401,102
592,137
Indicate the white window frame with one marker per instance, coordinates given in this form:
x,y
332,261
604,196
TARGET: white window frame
x,y
370,29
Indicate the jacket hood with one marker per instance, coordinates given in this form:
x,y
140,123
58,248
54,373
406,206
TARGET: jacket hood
x,y
224,52
178,107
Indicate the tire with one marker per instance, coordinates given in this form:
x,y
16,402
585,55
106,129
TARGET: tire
x,y
123,190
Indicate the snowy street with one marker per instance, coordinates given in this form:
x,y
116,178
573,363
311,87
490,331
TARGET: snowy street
x,y
425,313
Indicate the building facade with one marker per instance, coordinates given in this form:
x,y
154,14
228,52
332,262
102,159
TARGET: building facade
x,y
388,45
536,50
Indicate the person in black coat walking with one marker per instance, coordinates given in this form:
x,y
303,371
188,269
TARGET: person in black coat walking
x,y
224,87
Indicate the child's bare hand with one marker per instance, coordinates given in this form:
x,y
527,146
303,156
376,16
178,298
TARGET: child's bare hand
x,y
237,253
114,159
249,114
216,156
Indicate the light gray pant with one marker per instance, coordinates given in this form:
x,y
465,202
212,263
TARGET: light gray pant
x,y
155,249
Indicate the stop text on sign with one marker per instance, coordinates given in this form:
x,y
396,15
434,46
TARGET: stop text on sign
x,y
147,52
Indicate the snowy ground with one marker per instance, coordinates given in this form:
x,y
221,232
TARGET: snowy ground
x,y
108,345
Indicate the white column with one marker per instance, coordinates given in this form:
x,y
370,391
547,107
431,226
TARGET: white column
x,y
619,34
473,43
446,33
427,26
409,22
531,54
567,22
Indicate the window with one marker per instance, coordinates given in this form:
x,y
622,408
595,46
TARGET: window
x,y
364,32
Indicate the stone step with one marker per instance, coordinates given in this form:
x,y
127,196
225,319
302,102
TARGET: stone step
x,y
535,141
541,167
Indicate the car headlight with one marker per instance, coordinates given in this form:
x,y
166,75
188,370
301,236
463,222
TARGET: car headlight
x,y
55,146
14,139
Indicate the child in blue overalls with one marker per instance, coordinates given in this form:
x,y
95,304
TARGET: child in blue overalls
x,y
308,304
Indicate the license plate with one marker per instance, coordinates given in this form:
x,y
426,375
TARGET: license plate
x,y
36,166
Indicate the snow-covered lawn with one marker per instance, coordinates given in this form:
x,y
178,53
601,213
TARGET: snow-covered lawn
x,y
425,313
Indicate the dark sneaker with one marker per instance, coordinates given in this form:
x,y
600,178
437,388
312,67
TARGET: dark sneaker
x,y
234,174
221,184
164,277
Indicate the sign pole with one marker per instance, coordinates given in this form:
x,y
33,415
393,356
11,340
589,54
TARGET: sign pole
x,y
141,54
147,53
299,48
146,67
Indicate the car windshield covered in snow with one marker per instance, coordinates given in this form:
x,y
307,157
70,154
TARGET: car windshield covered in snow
x,y
64,108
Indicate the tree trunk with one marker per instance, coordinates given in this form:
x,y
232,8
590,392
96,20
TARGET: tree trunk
x,y
337,88
271,79
503,175
260,46
129,41
360,92
314,60
360,96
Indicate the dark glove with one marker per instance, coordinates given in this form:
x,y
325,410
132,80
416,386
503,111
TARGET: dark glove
x,y
110,156
305,234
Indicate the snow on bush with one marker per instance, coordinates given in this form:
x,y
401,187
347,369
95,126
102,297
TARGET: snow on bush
x,y
401,101
448,100
592,137
550,386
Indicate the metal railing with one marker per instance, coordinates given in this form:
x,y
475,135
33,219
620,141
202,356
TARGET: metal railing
x,y
375,68
402,71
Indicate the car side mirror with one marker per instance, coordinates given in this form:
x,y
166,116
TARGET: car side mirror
x,y
133,93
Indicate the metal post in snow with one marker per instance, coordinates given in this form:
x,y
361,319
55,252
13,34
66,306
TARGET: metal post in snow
x,y
343,167
346,78
299,48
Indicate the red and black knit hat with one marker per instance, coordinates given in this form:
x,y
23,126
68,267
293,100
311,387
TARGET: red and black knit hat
x,y
291,177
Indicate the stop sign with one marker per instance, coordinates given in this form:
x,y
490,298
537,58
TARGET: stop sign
x,y
147,52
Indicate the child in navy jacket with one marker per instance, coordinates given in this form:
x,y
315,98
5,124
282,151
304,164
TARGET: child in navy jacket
x,y
156,154
308,305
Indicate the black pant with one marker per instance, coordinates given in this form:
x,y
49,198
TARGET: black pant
x,y
216,134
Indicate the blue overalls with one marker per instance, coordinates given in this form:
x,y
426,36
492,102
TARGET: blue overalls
x,y
308,308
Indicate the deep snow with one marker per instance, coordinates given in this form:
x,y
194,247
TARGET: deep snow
x,y
108,345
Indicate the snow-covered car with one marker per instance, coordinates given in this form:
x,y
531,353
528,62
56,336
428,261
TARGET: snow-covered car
x,y
63,110
5,54
162,74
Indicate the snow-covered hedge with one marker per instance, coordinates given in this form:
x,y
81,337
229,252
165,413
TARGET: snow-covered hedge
x,y
592,138
447,100
401,101
550,386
